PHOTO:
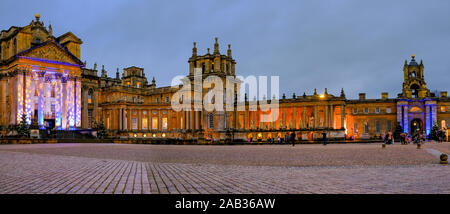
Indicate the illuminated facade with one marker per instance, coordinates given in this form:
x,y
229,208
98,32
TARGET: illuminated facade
x,y
43,77
40,76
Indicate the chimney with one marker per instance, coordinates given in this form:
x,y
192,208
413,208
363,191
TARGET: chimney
x,y
384,95
443,93
362,96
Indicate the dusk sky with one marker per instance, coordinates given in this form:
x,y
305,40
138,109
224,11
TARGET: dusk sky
x,y
360,46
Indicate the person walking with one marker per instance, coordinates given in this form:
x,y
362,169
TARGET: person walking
x,y
293,138
324,137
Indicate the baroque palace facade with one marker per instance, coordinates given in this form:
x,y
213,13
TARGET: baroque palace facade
x,y
43,77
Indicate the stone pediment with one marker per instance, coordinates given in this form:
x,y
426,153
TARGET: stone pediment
x,y
51,51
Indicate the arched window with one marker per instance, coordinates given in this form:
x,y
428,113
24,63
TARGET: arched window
x,y
443,124
210,121
90,92
415,91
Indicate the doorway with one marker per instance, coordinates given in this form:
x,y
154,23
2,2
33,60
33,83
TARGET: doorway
x,y
416,125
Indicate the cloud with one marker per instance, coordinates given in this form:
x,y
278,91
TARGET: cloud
x,y
356,45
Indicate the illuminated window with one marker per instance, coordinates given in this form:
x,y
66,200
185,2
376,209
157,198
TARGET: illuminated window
x,y
134,123
155,123
164,123
138,85
377,110
144,123
366,110
90,96
443,124
443,109
388,110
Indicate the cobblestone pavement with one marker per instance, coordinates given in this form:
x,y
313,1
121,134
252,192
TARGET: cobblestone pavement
x,y
54,169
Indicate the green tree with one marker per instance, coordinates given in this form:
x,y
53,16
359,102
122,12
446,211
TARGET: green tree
x,y
22,128
434,134
101,129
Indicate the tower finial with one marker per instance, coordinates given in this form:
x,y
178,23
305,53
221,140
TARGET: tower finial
x,y
194,50
342,92
50,30
413,56
216,47
229,51
208,50
37,16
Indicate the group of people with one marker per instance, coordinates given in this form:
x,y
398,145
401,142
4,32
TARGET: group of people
x,y
417,137
288,138
404,138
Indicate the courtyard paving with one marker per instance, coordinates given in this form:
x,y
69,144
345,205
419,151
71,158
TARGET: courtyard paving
x,y
156,169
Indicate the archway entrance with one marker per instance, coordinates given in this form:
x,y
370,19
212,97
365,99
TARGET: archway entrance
x,y
416,124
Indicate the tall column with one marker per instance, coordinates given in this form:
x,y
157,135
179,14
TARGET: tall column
x,y
4,95
191,120
20,96
58,102
126,114
64,109
28,87
433,114
41,99
315,116
95,114
405,119
139,112
332,116
294,119
326,118
77,102
428,119
84,119
342,115
399,114
304,117
120,118
71,101
285,124
195,119
129,116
